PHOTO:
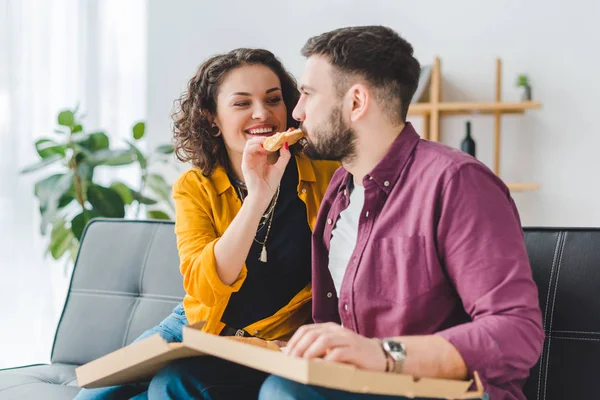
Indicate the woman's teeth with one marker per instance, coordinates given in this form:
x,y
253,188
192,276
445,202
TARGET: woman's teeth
x,y
260,131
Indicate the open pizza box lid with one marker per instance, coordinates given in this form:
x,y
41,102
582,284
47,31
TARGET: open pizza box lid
x,y
139,361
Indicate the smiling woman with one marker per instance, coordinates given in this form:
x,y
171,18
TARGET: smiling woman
x,y
244,218
262,86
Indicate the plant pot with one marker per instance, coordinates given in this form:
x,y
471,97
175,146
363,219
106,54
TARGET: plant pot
x,y
526,95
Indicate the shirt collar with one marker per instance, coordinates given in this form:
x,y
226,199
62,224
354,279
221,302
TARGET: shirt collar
x,y
306,173
387,171
306,170
220,180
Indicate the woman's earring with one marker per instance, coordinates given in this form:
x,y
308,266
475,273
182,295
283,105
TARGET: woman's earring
x,y
215,131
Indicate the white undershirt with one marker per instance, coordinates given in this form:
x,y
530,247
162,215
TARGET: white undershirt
x,y
344,235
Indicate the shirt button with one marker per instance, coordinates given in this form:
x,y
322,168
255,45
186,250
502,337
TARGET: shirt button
x,y
367,214
329,294
303,190
255,332
329,221
386,184
345,192
346,307
370,178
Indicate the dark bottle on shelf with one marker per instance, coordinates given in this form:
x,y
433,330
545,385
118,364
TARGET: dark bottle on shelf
x,y
468,144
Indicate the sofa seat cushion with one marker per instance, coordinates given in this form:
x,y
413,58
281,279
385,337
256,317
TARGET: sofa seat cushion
x,y
51,382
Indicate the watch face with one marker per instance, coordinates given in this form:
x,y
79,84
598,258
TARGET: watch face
x,y
395,347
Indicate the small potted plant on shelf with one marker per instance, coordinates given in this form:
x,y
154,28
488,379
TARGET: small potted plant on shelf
x,y
523,82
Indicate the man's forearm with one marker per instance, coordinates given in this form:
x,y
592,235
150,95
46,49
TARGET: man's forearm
x,y
432,356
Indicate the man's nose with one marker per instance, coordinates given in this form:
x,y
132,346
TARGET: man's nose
x,y
298,112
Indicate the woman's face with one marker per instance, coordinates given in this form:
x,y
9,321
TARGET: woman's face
x,y
249,104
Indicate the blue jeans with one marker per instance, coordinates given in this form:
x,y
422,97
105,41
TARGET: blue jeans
x,y
207,378
170,329
276,387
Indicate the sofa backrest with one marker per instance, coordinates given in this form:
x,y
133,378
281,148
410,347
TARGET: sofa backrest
x,y
566,268
126,279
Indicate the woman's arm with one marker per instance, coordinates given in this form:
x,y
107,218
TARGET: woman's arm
x,y
232,248
262,180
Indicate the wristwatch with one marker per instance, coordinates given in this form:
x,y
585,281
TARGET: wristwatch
x,y
395,351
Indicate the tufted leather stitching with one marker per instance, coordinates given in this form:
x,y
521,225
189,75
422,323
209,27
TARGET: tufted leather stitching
x,y
128,328
582,332
145,263
554,259
95,292
21,384
560,257
575,338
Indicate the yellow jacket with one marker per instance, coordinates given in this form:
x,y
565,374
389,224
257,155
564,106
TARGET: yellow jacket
x,y
205,206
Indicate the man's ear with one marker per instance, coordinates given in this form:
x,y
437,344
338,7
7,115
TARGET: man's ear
x,y
359,99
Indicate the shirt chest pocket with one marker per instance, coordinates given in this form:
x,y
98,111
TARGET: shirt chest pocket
x,y
397,268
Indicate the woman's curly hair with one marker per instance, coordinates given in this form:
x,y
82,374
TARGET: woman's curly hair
x,y
193,134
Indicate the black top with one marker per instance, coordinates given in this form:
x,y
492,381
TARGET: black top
x,y
270,286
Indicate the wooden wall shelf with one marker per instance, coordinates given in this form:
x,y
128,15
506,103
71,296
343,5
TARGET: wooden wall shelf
x,y
458,108
522,187
434,109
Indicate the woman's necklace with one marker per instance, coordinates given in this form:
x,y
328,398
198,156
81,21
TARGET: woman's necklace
x,y
270,216
266,218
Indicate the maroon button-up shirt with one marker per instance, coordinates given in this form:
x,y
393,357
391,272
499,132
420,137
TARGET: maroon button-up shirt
x,y
439,250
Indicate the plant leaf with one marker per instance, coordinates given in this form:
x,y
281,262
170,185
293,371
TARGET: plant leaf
x,y
159,186
49,191
92,141
106,202
44,163
73,250
66,118
47,147
80,137
80,221
138,130
124,191
85,170
113,157
165,149
138,154
67,198
143,199
61,239
157,214
77,128
99,141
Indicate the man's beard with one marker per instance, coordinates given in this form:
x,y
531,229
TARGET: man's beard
x,y
334,141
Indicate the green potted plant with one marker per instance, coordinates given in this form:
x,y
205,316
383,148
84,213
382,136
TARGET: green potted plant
x,y
523,82
70,196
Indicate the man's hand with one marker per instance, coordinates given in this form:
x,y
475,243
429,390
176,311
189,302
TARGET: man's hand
x,y
334,343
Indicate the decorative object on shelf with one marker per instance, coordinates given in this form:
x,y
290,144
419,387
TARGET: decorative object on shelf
x,y
434,109
523,82
71,195
468,144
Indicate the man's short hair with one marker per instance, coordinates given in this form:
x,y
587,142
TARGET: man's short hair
x,y
376,54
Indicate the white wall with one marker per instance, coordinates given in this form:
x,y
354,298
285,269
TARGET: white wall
x,y
552,41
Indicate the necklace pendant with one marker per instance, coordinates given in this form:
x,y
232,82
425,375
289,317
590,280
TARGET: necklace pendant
x,y
263,255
